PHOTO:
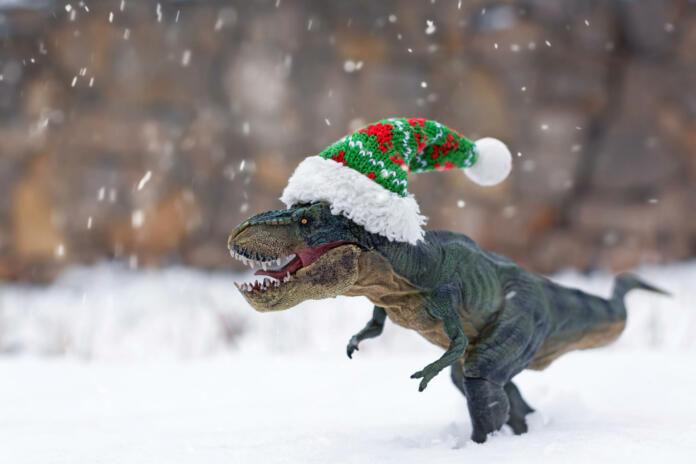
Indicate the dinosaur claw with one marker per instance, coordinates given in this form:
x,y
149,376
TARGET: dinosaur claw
x,y
424,383
426,375
352,347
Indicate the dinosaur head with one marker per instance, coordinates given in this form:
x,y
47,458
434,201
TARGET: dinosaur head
x,y
302,253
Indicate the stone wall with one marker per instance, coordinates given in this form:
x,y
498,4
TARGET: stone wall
x,y
219,101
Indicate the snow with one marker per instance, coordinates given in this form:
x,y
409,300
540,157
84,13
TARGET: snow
x,y
111,312
591,407
112,365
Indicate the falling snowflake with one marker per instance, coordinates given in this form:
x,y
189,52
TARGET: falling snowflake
x,y
144,180
350,66
430,27
137,218
186,58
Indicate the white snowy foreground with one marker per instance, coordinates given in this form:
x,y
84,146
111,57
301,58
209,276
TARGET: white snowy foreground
x,y
113,366
591,407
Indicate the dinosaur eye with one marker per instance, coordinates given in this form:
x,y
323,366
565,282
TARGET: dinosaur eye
x,y
304,221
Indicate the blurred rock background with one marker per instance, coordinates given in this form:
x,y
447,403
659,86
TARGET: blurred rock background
x,y
145,131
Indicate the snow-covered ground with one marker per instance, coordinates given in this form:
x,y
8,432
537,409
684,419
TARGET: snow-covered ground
x,y
636,407
109,365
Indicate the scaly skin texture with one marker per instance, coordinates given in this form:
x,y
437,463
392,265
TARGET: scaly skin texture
x,y
492,318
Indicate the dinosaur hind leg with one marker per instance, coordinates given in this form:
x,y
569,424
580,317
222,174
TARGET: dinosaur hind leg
x,y
518,409
488,403
502,351
489,407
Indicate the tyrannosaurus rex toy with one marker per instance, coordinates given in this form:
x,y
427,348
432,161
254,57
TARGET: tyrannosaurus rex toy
x,y
352,228
492,317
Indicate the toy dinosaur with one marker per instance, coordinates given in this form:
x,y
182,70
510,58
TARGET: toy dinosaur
x,y
492,318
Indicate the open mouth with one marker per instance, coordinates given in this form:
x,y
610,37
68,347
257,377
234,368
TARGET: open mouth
x,y
277,271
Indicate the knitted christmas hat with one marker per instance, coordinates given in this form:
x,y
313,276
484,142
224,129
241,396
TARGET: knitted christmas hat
x,y
363,176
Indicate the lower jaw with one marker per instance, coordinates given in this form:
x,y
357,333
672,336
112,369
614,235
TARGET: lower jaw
x,y
312,283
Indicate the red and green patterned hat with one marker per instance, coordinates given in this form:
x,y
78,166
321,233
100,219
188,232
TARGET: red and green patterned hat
x,y
363,176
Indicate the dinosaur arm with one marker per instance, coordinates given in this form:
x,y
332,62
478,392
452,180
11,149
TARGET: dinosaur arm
x,y
371,330
442,304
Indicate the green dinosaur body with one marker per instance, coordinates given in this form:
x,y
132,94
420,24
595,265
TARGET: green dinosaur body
x,y
492,318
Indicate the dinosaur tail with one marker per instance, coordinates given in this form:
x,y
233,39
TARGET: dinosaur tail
x,y
624,283
586,321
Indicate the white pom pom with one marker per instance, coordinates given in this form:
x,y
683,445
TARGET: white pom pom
x,y
493,164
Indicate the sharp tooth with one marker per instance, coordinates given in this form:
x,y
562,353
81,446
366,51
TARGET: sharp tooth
x,y
237,285
263,265
278,261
